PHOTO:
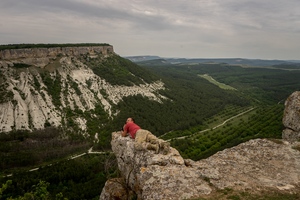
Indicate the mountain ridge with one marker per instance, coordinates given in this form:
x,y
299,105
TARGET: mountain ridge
x,y
231,61
7,54
39,85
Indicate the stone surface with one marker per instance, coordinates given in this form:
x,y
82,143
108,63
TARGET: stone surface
x,y
256,165
291,118
115,189
35,53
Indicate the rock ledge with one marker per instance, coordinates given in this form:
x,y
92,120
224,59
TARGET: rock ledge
x,y
258,164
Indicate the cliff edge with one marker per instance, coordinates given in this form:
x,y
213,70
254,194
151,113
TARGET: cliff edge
x,y
41,57
256,165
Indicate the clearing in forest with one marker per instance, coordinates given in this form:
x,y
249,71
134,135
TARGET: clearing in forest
x,y
213,81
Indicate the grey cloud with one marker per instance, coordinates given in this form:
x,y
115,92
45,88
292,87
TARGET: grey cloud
x,y
38,7
182,27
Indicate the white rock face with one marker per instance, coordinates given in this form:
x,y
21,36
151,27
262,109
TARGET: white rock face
x,y
7,116
257,165
31,105
31,108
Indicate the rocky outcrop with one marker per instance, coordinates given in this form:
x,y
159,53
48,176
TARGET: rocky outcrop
x,y
9,54
291,118
41,57
256,165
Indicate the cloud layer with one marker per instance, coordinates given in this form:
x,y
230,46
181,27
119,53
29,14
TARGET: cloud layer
x,y
266,29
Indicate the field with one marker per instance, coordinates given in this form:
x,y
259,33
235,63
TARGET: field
x,y
213,81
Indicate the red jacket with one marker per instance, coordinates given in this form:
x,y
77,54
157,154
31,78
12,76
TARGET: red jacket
x,y
131,128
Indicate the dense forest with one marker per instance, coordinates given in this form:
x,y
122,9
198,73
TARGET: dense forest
x,y
264,90
261,85
80,178
263,122
193,109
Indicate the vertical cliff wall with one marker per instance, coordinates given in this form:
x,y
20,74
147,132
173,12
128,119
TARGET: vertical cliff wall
x,y
9,54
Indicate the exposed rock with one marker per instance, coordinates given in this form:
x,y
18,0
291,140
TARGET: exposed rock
x,y
291,118
35,53
258,164
255,165
41,57
116,189
27,101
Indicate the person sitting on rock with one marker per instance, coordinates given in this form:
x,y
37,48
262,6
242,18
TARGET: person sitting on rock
x,y
144,139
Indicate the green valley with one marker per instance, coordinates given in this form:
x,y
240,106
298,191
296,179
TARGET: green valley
x,y
199,117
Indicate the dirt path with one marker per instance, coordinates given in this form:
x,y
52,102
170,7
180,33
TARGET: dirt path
x,y
90,151
217,126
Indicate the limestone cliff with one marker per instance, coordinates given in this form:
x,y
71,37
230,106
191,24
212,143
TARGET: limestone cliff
x,y
256,165
39,87
9,54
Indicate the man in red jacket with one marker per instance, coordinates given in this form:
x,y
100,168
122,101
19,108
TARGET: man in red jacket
x,y
144,139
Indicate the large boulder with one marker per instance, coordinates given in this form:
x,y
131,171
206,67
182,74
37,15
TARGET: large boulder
x,y
156,176
291,118
256,165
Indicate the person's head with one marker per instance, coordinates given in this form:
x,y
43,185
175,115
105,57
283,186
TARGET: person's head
x,y
130,119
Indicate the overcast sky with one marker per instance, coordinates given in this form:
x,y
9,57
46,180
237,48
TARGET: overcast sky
x,y
264,29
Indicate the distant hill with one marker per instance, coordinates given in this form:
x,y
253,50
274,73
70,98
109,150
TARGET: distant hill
x,y
142,58
231,61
